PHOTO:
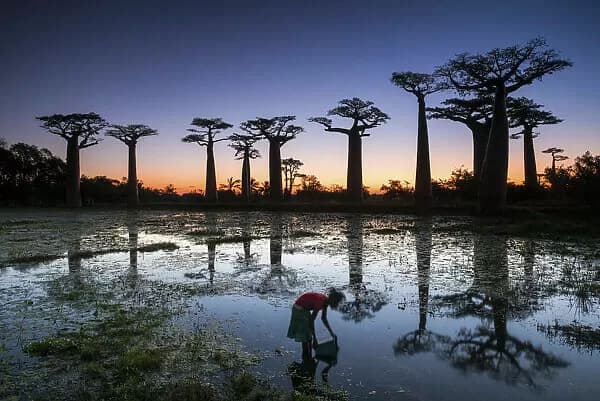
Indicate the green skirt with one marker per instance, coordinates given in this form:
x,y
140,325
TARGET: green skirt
x,y
299,329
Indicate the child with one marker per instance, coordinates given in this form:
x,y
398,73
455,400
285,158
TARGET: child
x,y
305,311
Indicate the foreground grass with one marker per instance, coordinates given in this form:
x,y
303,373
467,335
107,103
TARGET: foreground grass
x,y
134,353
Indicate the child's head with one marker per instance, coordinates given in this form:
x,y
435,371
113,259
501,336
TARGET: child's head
x,y
334,297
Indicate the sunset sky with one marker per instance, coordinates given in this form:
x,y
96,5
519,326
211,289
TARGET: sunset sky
x,y
162,63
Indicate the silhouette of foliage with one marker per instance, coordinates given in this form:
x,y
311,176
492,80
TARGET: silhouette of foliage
x,y
278,131
80,131
290,168
476,114
205,135
30,175
364,116
129,135
499,71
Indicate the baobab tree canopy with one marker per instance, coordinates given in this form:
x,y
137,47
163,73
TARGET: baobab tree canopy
x,y
85,126
207,129
512,67
463,110
129,134
242,143
276,129
362,113
417,83
524,112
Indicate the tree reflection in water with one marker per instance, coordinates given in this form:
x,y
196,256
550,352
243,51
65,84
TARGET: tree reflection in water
x,y
489,347
366,301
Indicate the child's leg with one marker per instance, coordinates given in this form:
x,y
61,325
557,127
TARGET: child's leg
x,y
306,351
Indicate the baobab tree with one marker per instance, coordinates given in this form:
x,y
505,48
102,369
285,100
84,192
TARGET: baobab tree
x,y
278,132
290,168
420,85
526,114
80,131
476,114
556,157
499,71
364,116
205,135
129,135
244,150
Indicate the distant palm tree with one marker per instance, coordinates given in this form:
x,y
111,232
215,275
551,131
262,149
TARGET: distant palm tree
x,y
232,185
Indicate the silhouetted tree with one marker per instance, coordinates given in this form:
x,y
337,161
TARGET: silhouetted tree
x,y
129,135
231,185
526,114
30,175
364,116
244,150
420,85
205,135
278,132
80,131
476,114
420,340
556,156
366,302
500,71
396,189
290,167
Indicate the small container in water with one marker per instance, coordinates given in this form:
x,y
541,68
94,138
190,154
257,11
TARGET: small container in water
x,y
327,351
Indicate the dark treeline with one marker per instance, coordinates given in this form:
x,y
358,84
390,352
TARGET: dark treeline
x,y
33,176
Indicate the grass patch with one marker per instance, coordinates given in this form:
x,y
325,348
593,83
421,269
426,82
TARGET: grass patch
x,y
159,246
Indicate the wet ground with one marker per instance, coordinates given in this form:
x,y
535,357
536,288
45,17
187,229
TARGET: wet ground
x,y
434,311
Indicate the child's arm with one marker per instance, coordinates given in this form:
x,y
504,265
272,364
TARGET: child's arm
x,y
326,322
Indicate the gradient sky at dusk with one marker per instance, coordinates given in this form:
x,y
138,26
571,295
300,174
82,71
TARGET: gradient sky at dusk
x,y
163,63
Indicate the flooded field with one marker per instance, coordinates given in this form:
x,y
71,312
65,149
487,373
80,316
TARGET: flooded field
x,y
435,309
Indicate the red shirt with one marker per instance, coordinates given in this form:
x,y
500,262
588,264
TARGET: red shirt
x,y
312,301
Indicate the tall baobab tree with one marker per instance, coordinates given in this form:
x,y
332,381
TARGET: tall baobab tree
x,y
244,150
205,135
420,85
364,116
290,167
476,114
80,131
500,71
526,114
129,135
278,131
556,156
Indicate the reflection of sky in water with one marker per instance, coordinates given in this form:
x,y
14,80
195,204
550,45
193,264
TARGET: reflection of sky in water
x,y
414,280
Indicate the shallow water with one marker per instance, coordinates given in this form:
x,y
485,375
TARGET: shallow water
x,y
433,311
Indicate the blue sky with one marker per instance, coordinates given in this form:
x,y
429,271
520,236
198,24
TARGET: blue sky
x,y
164,63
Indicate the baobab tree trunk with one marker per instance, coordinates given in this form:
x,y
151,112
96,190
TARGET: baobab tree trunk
x,y
494,172
246,176
423,175
72,185
275,170
355,250
529,162
481,132
211,176
354,182
423,251
132,187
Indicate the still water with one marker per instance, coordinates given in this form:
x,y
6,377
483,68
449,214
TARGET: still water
x,y
434,311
